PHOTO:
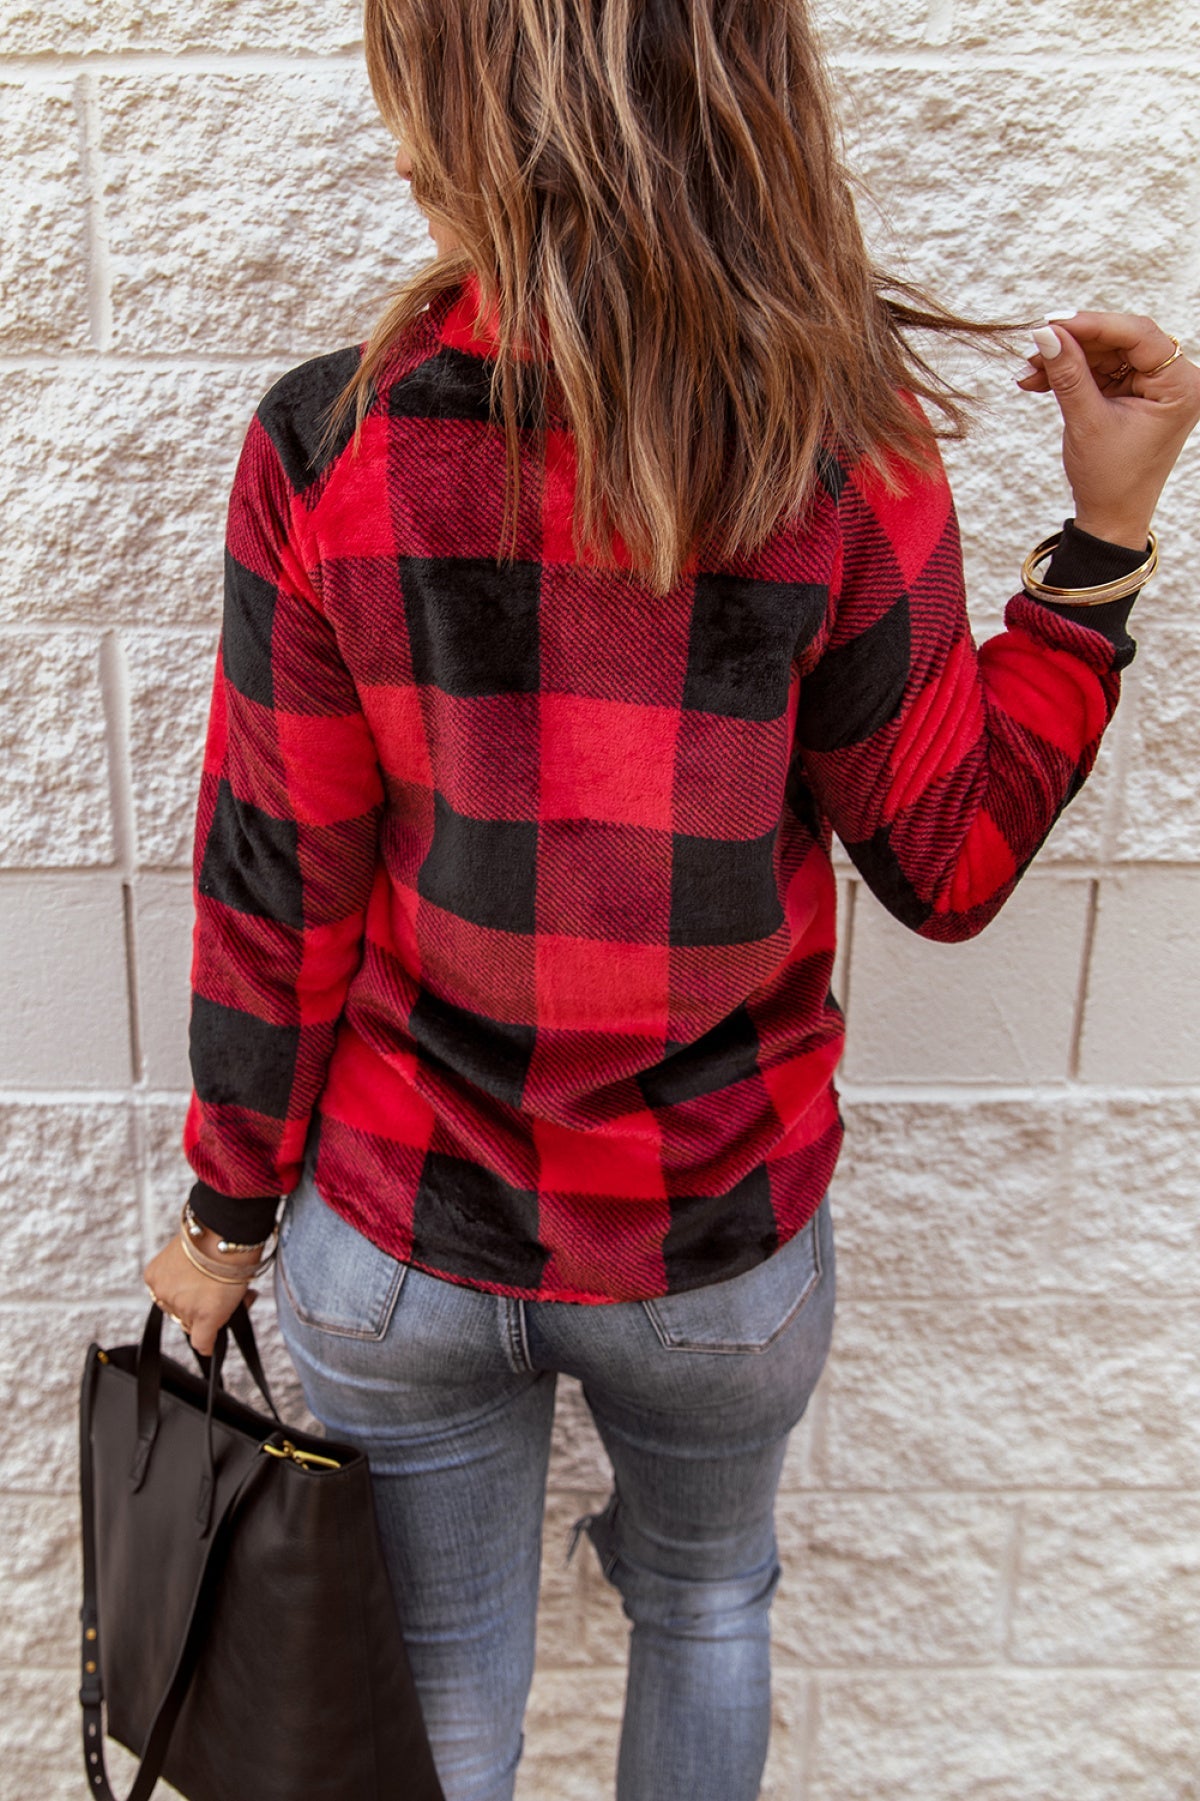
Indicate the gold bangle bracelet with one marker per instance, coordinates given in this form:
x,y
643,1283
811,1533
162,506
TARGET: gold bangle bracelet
x,y
191,1228
1120,589
232,1281
207,1268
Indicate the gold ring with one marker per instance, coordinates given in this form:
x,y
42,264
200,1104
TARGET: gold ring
x,y
162,1305
1175,354
1119,374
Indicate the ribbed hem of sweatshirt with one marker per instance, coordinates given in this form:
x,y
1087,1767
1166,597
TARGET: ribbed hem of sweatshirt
x,y
247,1219
1082,561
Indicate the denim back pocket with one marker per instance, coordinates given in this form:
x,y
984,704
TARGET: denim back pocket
x,y
748,1312
336,1278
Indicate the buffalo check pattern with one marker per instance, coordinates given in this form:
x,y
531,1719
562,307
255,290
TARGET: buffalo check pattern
x,y
512,880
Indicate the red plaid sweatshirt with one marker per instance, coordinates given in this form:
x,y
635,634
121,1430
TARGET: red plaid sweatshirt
x,y
512,881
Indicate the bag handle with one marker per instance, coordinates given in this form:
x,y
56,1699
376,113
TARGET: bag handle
x,y
149,1380
91,1692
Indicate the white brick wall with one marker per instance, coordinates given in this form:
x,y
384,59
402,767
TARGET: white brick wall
x,y
991,1515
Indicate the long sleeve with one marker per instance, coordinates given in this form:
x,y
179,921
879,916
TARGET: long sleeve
x,y
943,766
283,860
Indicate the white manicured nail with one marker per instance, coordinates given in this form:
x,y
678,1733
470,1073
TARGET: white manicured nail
x,y
1071,315
1048,342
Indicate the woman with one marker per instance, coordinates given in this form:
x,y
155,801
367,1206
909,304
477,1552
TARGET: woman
x,y
563,627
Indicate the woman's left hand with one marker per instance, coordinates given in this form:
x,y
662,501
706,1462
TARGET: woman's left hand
x,y
199,1301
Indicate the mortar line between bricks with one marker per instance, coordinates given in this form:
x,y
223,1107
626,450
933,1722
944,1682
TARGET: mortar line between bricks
x,y
1010,1576
99,271
1075,1053
972,1093
810,1734
114,691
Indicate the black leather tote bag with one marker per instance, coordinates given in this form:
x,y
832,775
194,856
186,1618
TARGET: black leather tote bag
x,y
237,1615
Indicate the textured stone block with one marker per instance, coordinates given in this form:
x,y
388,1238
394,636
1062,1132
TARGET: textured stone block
x,y
41,1742
946,1197
170,689
845,28
1160,813
1142,1016
69,1222
1006,1736
1129,1219
959,1197
55,808
1007,478
41,1412
1069,1393
169,1176
1003,26
315,227
1108,1579
791,1704
163,916
69,27
909,1579
571,1729
41,1574
961,158
120,478
43,246
805,1445
62,983
998,1008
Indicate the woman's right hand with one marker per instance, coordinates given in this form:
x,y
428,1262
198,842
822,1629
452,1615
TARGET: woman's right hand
x,y
201,1303
1121,438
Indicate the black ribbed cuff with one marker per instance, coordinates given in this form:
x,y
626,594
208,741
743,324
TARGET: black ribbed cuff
x,y
245,1219
1082,561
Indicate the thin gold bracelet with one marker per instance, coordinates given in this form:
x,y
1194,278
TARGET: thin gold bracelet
x,y
216,1275
1097,596
205,1263
209,1268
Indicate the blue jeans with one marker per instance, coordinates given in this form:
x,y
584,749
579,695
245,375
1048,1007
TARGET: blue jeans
x,y
450,1392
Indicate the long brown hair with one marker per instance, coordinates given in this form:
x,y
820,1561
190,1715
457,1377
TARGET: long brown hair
x,y
650,193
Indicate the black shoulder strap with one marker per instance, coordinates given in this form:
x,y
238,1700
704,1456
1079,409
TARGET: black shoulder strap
x,y
91,1693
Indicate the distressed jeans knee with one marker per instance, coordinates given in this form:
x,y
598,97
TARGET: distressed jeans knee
x,y
697,1607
